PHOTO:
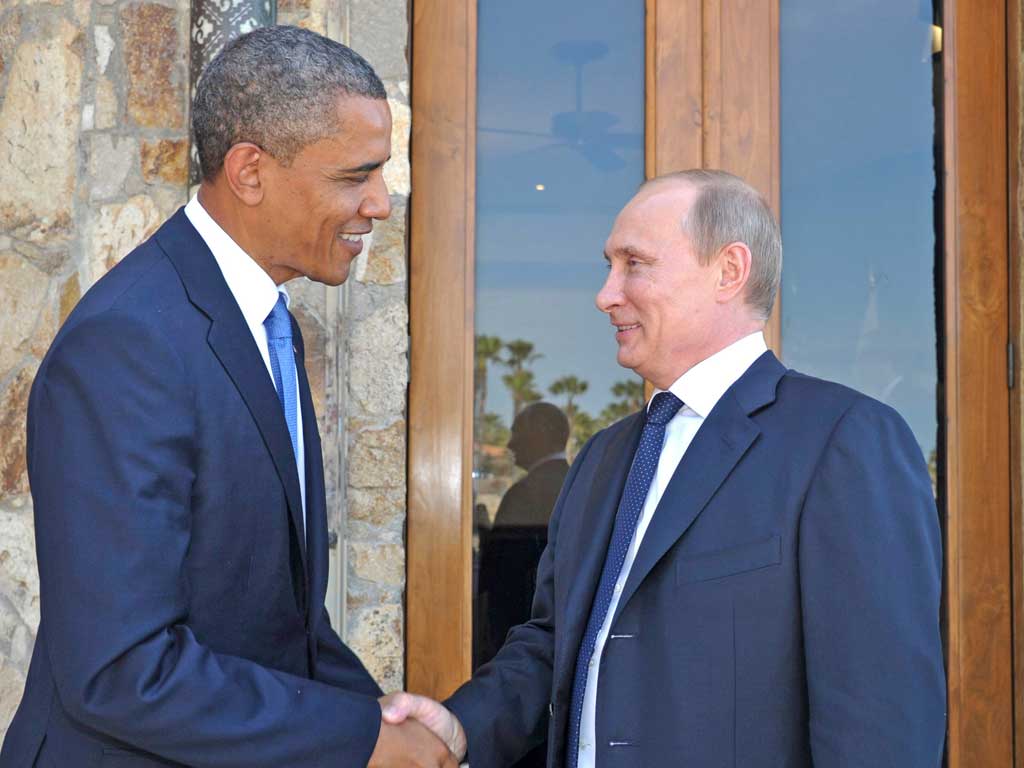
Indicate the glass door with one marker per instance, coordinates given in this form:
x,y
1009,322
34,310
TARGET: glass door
x,y
877,131
559,151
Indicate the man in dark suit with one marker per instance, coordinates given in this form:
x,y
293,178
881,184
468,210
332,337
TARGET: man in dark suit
x,y
746,573
511,548
175,462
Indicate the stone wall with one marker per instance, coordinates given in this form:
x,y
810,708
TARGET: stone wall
x,y
92,159
364,365
93,156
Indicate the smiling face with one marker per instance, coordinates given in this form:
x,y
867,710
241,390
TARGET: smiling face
x,y
663,302
316,210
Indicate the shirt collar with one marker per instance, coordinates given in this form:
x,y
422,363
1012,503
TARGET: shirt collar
x,y
701,387
545,459
254,291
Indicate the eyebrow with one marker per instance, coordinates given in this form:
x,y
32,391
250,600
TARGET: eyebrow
x,y
365,168
627,250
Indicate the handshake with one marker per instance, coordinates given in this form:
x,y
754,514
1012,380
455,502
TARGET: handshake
x,y
417,732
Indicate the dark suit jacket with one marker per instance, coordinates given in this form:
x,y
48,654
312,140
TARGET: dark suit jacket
x,y
782,610
183,616
510,552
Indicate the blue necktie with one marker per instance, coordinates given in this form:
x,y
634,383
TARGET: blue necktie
x,y
282,362
663,407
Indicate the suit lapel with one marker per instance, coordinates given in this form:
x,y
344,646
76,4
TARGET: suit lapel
x,y
591,533
316,506
719,444
232,342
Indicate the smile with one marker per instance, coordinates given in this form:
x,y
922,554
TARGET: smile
x,y
621,328
356,238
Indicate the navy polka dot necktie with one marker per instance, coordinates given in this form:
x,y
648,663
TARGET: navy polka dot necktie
x,y
664,406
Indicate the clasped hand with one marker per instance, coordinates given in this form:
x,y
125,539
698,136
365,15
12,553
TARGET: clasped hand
x,y
417,732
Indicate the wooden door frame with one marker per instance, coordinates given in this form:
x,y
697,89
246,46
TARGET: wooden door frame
x,y
978,520
1015,234
705,109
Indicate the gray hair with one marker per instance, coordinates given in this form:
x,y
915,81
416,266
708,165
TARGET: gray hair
x,y
728,210
277,87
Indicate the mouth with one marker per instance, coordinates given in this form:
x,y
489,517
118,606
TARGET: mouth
x,y
352,241
623,332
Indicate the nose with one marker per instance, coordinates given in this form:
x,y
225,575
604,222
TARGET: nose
x,y
610,295
377,203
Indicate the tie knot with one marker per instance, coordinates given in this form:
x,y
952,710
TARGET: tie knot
x,y
279,322
664,406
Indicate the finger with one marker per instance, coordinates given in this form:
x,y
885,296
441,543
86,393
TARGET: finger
x,y
396,707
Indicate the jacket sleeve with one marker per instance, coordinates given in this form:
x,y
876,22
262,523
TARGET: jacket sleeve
x,y
504,708
111,457
870,559
337,666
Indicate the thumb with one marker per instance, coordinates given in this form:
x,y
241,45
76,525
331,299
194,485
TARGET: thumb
x,y
397,707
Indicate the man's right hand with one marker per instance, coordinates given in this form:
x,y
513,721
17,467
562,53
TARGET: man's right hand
x,y
398,707
410,745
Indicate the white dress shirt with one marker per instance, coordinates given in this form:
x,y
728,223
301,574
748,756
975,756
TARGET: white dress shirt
x,y
256,294
700,388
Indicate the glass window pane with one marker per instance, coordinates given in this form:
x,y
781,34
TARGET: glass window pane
x,y
861,201
560,106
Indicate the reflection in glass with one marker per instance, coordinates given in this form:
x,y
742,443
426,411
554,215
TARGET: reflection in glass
x,y
559,151
861,216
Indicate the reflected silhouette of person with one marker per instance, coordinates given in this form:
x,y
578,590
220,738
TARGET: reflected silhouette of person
x,y
539,436
511,548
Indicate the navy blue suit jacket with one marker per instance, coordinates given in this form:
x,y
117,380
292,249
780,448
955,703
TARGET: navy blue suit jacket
x,y
183,616
782,610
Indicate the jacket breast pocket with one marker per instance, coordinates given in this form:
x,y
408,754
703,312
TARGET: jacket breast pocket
x,y
763,553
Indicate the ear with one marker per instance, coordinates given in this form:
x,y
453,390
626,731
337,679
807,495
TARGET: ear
x,y
245,167
733,271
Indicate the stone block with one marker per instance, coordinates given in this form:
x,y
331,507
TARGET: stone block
x,y
384,260
396,172
380,32
70,293
314,23
154,63
165,160
41,109
111,159
378,511
13,407
375,634
378,365
10,32
49,257
25,294
377,458
117,228
19,579
12,684
106,104
382,564
104,46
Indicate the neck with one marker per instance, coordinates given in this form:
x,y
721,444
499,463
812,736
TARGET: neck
x,y
712,347
234,218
